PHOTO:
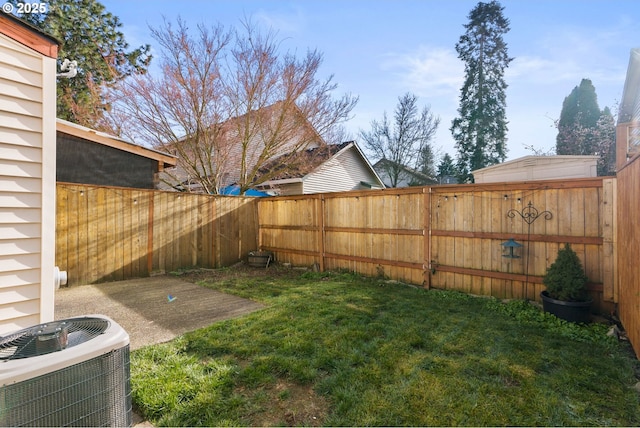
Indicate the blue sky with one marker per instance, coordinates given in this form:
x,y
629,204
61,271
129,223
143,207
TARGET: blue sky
x,y
379,50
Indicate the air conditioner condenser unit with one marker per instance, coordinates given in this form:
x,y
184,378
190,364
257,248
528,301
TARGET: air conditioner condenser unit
x,y
72,372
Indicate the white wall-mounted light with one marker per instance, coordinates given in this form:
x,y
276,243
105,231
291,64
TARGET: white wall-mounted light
x,y
70,69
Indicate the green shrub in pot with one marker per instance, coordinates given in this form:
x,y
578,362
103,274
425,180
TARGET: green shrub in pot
x,y
565,279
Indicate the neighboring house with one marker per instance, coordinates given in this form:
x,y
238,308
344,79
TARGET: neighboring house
x,y
406,177
539,168
27,174
628,128
86,156
268,133
330,168
447,179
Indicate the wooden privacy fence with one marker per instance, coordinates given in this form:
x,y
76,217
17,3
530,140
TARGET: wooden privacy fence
x,y
367,232
628,241
470,223
450,236
108,233
446,237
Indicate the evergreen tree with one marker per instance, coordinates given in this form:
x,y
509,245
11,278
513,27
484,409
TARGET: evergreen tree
x,y
580,114
90,35
446,167
565,279
585,130
605,143
426,161
481,127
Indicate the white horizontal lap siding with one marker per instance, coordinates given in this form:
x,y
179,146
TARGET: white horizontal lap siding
x,y
404,178
27,185
340,174
290,189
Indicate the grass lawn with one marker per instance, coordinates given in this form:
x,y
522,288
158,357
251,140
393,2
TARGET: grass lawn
x,y
338,349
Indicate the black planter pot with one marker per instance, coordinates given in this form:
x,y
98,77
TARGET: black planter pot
x,y
568,311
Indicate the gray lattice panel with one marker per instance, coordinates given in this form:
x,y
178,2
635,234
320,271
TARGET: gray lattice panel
x,y
96,392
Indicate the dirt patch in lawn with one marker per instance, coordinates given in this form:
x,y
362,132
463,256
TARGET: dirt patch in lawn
x,y
290,404
294,405
239,270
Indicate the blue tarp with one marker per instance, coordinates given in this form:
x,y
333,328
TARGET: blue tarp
x,y
235,191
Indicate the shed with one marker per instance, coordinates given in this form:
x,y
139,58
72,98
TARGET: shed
x,y
27,174
86,156
539,168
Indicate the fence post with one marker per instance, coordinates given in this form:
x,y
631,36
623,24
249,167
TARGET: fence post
x,y
609,280
150,234
426,234
217,257
321,236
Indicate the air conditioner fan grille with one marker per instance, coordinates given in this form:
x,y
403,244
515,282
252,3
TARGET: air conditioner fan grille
x,y
51,337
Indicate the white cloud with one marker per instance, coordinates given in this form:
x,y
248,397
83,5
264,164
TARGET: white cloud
x,y
285,22
568,54
535,69
568,68
428,71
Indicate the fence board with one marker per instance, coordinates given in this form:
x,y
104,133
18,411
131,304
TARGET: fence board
x,y
72,237
93,230
127,256
62,227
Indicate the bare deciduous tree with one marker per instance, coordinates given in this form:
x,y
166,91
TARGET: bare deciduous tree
x,y
227,103
406,142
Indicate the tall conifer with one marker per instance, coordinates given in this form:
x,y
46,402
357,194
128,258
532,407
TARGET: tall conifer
x,y
481,126
580,114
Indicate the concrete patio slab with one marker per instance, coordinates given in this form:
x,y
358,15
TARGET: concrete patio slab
x,y
143,307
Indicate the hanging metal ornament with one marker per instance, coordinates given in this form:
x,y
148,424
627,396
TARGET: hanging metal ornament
x,y
529,214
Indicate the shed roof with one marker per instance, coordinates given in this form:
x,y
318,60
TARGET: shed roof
x,y
529,168
164,160
533,160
